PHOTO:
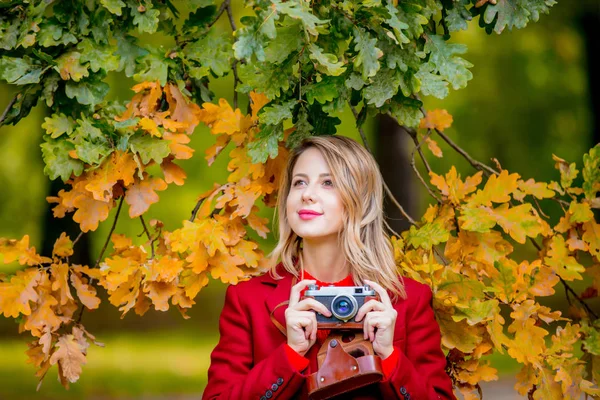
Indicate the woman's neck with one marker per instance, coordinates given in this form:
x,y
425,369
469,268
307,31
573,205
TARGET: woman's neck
x,y
325,260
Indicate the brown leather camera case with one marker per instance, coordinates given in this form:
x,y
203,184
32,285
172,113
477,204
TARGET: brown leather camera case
x,y
346,362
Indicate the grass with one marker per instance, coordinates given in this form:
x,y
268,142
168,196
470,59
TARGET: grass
x,y
132,364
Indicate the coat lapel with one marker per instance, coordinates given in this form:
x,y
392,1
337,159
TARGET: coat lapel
x,y
276,301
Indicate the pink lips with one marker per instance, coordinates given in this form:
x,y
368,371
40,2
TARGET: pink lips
x,y
308,214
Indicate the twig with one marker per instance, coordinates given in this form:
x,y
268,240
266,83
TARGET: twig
x,y
224,5
413,164
230,15
77,238
148,235
568,288
235,82
112,229
8,107
385,186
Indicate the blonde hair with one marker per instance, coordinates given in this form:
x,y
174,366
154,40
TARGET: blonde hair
x,y
364,240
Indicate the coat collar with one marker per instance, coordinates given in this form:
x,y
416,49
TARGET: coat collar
x,y
276,301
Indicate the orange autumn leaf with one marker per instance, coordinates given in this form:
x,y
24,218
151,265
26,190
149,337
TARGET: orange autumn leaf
x,y
257,101
18,294
222,118
497,189
248,251
60,283
85,292
177,144
436,119
213,151
173,173
225,266
70,356
142,194
452,187
149,126
90,212
63,247
434,147
12,249
160,293
181,109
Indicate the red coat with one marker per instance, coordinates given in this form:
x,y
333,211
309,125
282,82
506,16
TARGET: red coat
x,y
250,361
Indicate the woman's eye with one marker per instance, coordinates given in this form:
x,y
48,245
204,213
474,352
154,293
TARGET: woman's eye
x,y
296,183
328,182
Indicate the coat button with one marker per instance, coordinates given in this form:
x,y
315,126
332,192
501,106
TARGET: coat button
x,y
403,390
407,396
263,398
274,387
268,394
280,381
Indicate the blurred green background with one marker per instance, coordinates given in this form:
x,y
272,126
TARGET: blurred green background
x,y
532,95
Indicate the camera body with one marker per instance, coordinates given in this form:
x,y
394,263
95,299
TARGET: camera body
x,y
343,302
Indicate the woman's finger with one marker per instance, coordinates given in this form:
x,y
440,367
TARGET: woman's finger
x,y
383,294
297,289
312,304
369,306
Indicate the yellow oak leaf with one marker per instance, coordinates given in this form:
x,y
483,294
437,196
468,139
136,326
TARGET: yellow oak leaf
x,y
591,235
574,242
221,118
173,173
212,234
433,146
568,172
480,372
258,223
149,126
142,193
94,273
69,67
198,259
561,262
213,151
177,144
539,190
248,251
244,199
90,212
44,313
436,119
160,293
120,166
497,189
60,283
225,267
193,282
234,229
63,247
164,269
547,388
459,335
526,378
70,357
580,212
518,222
116,271
16,294
120,241
86,293
129,295
181,109
495,328
12,249
528,344
452,187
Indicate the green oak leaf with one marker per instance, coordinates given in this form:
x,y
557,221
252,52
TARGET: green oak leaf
x,y
99,56
149,148
355,81
128,51
58,124
249,41
300,10
50,85
68,65
325,91
368,53
152,67
52,34
444,60
212,51
412,16
591,172
265,78
113,6
323,123
407,111
266,144
147,21
20,71
289,39
58,162
303,129
397,25
9,33
432,84
458,15
277,113
92,152
512,13
477,311
384,87
427,235
86,131
26,99
327,63
89,91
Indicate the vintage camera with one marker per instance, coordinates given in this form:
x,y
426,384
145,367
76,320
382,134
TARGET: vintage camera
x,y
343,302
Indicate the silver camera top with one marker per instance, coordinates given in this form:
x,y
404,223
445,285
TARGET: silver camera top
x,y
314,290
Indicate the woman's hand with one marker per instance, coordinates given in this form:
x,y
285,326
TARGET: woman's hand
x,y
300,319
379,315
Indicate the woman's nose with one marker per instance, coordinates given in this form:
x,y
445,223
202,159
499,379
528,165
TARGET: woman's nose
x,y
308,194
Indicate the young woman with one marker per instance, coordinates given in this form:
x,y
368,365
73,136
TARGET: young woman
x,y
330,233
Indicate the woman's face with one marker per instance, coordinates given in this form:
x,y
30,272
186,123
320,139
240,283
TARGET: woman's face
x,y
314,207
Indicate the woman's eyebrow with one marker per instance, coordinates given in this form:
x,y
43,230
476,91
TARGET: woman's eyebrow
x,y
306,176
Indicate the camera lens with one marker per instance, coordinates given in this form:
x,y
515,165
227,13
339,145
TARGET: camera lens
x,y
344,307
